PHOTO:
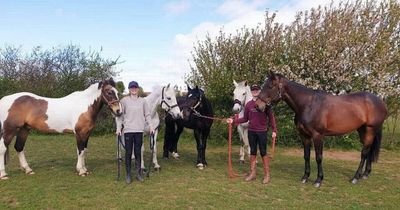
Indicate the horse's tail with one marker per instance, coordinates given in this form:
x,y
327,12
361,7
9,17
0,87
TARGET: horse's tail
x,y
376,146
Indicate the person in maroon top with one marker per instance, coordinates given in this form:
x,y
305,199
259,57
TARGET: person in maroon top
x,y
257,132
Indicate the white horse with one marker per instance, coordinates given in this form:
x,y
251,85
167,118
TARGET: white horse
x,y
166,98
242,95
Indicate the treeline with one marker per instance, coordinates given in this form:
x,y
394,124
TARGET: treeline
x,y
345,48
55,73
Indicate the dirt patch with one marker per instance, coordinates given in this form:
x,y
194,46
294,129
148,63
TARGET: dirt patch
x,y
330,154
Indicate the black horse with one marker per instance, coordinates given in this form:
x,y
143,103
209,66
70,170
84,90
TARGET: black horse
x,y
320,114
194,106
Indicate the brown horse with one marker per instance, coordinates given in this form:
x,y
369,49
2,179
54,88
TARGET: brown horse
x,y
320,114
74,113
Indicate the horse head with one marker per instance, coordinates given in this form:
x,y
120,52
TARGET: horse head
x,y
271,91
240,95
169,103
109,96
193,102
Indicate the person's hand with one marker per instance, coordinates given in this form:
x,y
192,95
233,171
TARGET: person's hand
x,y
229,120
273,134
118,132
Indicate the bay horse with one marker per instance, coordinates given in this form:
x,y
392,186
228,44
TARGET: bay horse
x,y
75,113
164,97
193,106
241,96
319,114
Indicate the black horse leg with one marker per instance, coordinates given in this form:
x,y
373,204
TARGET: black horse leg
x,y
197,136
307,169
368,168
364,153
178,133
318,144
204,138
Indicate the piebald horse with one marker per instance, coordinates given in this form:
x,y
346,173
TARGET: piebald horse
x,y
241,96
75,113
319,114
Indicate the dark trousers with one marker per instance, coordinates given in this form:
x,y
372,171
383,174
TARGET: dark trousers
x,y
258,138
133,139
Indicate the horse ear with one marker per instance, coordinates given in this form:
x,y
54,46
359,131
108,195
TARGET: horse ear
x,y
168,85
272,75
100,84
235,83
245,83
197,87
188,87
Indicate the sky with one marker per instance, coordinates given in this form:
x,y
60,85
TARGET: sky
x,y
153,39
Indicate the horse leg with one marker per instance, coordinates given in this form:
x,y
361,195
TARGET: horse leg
x,y
168,137
4,142
19,147
373,153
84,156
307,147
242,144
197,136
318,144
204,137
178,133
80,167
157,167
366,137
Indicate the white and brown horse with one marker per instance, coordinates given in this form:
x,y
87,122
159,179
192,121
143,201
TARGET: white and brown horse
x,y
74,113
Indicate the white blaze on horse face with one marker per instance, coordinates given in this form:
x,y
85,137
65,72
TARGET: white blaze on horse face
x,y
116,108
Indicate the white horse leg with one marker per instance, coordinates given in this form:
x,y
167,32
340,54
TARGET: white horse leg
x,y
241,150
84,161
246,145
23,163
155,161
3,149
79,164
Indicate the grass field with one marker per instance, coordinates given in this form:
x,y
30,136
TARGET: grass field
x,y
180,185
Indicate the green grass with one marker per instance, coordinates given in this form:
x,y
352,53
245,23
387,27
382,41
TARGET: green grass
x,y
180,185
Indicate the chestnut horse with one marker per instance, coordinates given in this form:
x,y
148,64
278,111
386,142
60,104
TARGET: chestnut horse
x,y
319,114
74,113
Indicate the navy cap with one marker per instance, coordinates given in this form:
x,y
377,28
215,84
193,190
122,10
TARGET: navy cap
x,y
255,87
133,84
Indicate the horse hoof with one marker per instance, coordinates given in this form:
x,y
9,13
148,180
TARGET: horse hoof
x,y
158,169
175,155
200,166
354,181
30,173
365,176
4,177
317,184
304,181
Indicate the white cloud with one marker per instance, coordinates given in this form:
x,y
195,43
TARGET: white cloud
x,y
177,7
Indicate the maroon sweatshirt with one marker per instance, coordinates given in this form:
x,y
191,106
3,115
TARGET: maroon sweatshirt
x,y
257,120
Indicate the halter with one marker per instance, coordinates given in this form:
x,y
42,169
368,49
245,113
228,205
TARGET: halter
x,y
277,96
163,101
193,108
107,101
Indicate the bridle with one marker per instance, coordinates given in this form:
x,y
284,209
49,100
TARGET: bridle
x,y
163,101
193,108
277,96
109,102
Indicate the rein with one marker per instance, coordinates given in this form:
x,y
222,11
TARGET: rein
x,y
109,102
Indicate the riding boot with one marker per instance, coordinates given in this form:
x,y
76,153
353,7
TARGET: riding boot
x,y
265,160
128,164
253,168
139,171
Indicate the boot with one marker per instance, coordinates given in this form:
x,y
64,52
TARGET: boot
x,y
128,178
265,160
139,171
253,169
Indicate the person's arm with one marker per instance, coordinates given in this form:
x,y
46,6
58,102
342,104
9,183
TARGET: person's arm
x,y
245,117
146,110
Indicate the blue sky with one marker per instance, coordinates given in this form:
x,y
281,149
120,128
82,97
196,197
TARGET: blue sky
x,y
153,38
